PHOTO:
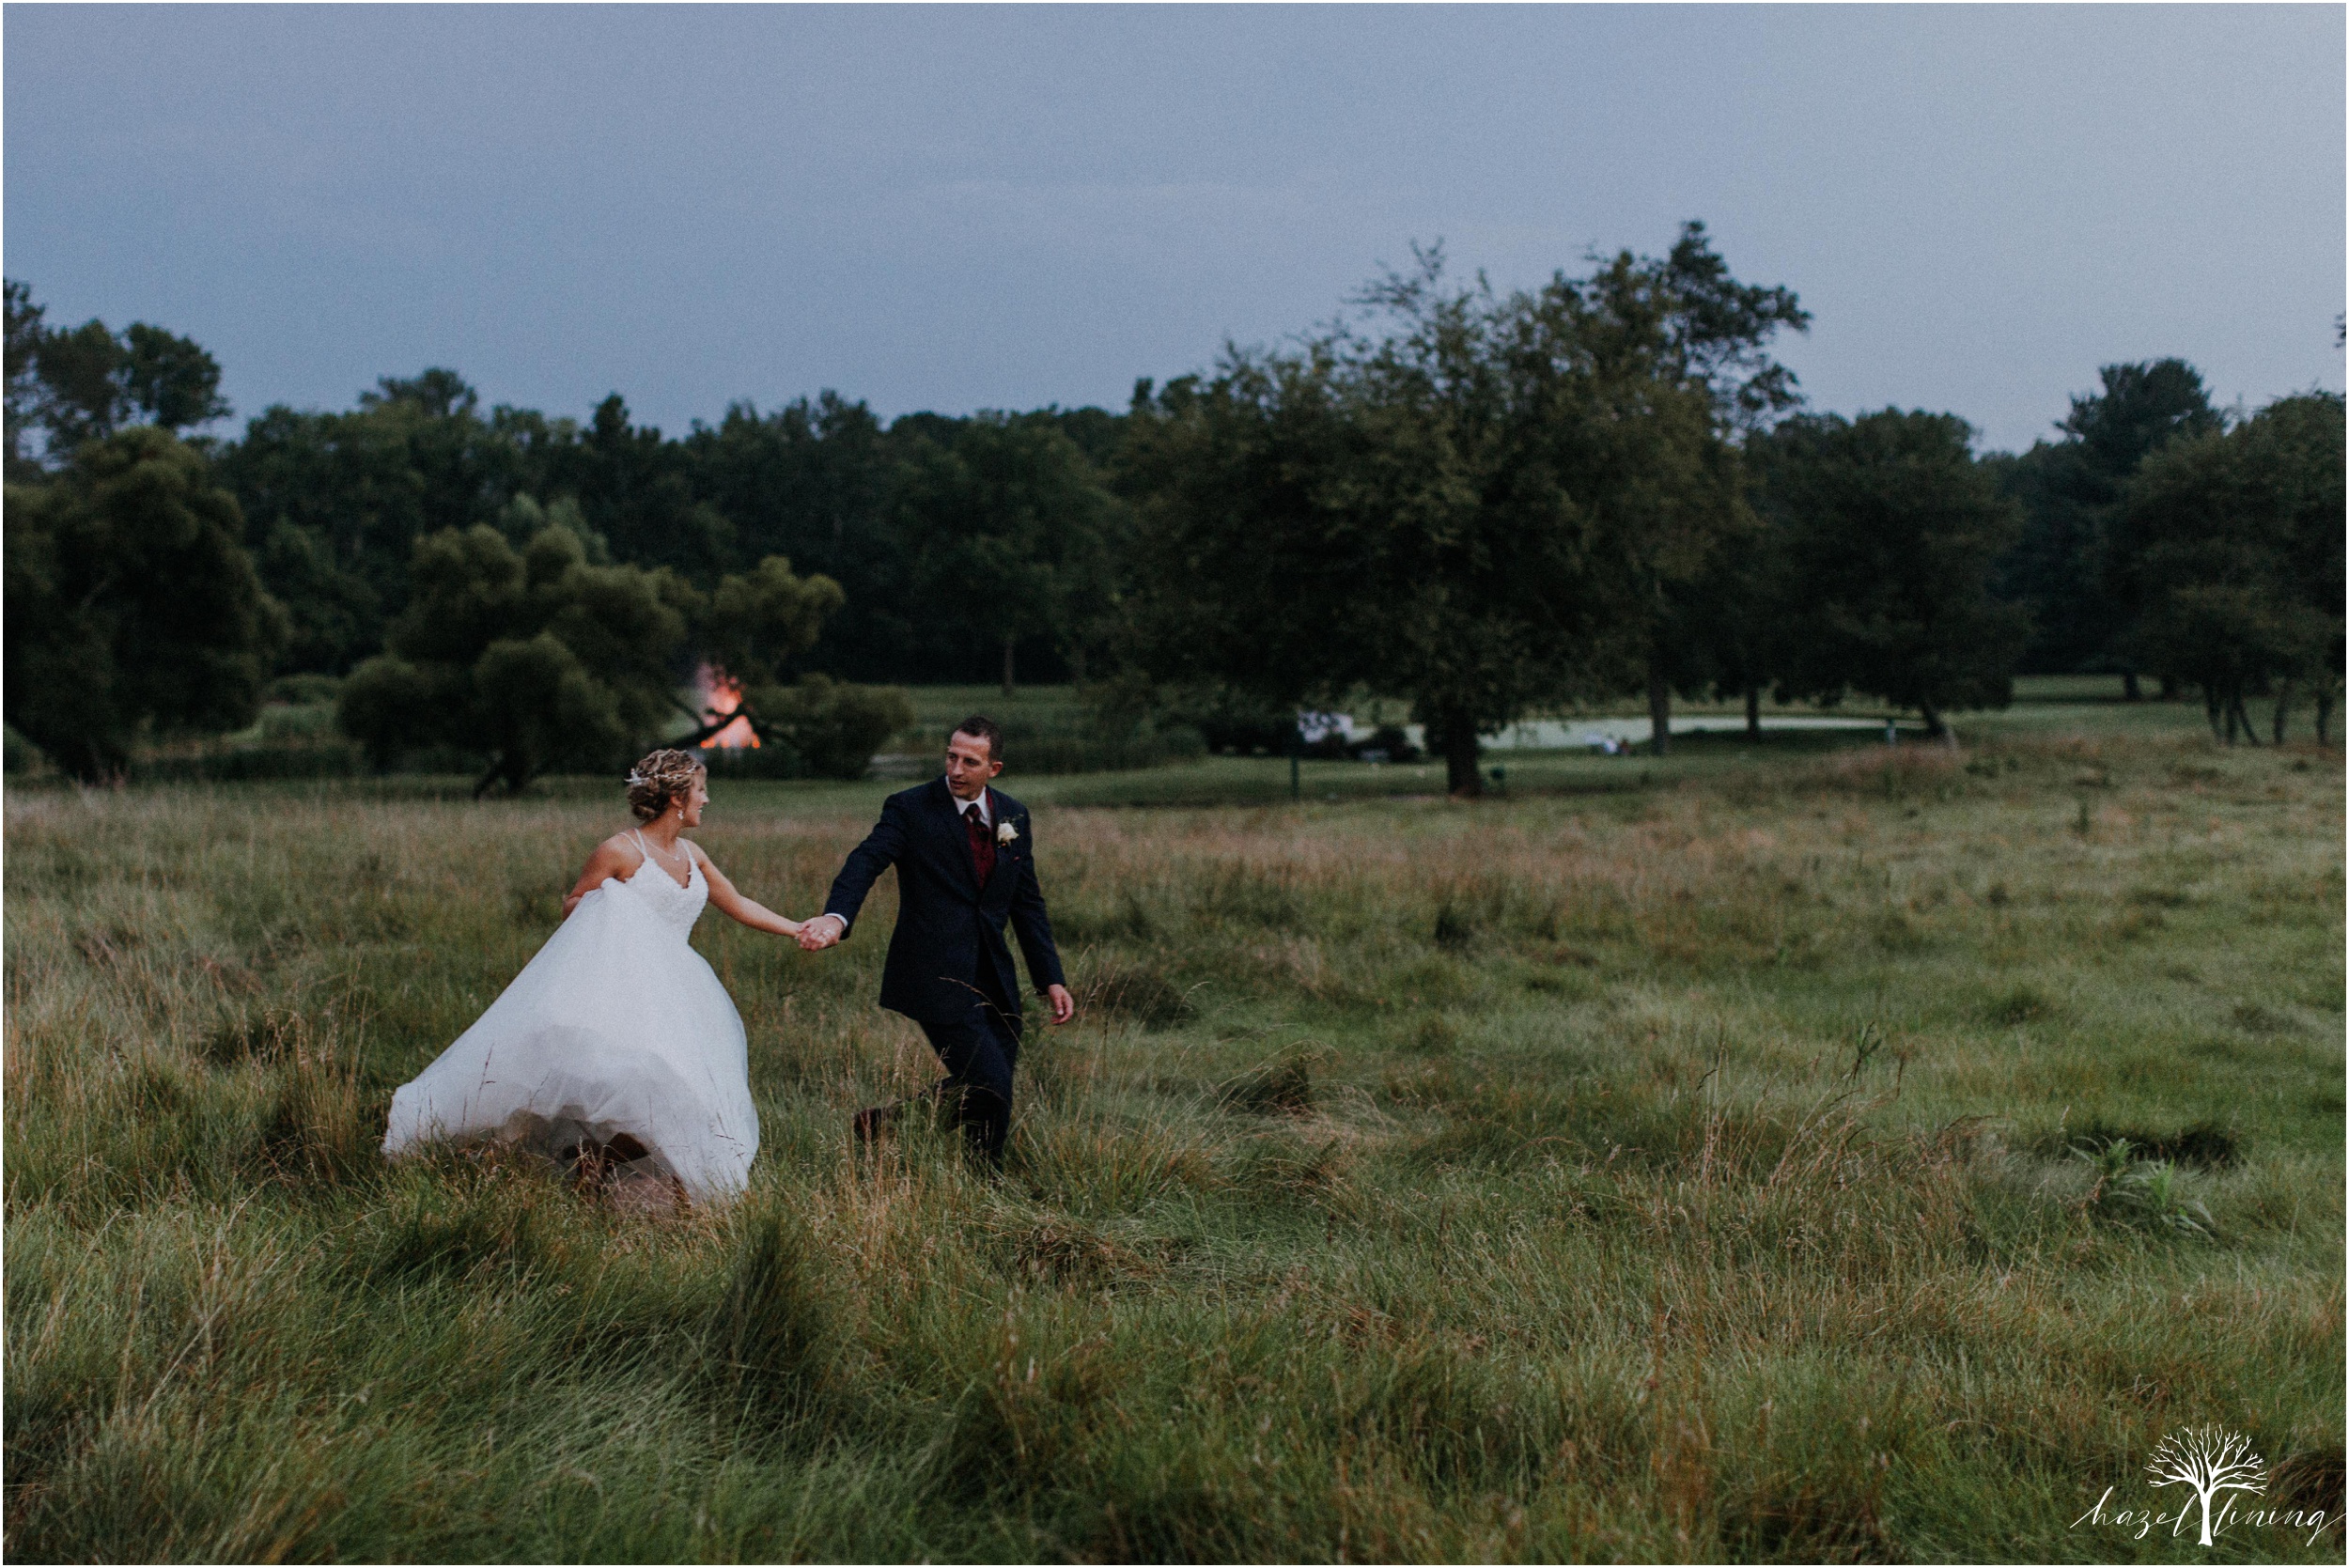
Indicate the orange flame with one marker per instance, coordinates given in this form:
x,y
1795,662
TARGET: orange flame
x,y
719,697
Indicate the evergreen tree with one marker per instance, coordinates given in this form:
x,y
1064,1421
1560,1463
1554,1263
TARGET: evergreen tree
x,y
2060,568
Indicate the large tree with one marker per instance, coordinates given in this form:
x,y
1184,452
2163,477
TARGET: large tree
x,y
1009,529
758,626
2060,568
131,607
638,490
1246,579
813,481
1723,632
1390,507
1887,530
1682,322
2229,547
1483,501
80,384
24,332
545,657
335,502
534,659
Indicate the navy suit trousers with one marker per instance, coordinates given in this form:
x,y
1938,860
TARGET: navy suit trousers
x,y
979,1050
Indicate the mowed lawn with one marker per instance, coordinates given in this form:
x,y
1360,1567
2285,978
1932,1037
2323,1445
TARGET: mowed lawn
x,y
1716,1160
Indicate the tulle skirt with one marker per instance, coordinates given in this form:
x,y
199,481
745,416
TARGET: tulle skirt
x,y
615,1026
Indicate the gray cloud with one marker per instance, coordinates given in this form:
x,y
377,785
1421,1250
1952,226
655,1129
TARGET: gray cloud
x,y
953,207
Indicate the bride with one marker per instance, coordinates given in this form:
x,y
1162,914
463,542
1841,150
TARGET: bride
x,y
616,1049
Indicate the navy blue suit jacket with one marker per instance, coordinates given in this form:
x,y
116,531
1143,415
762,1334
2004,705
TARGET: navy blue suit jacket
x,y
947,953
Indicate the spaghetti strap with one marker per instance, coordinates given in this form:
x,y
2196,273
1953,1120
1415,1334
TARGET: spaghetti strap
x,y
656,863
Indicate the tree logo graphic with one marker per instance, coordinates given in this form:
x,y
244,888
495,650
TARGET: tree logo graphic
x,y
2210,1460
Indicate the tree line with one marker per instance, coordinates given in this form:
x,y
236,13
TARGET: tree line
x,y
1486,503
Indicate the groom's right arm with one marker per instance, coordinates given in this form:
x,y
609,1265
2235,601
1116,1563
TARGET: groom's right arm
x,y
865,864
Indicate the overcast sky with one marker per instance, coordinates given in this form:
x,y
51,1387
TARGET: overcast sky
x,y
972,207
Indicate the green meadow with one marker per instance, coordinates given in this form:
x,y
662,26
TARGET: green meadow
x,y
1787,1151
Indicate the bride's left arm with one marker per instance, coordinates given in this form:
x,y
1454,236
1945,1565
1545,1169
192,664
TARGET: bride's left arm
x,y
732,905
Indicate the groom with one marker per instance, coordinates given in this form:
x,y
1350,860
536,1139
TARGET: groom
x,y
966,863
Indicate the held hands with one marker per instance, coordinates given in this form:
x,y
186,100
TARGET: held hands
x,y
824,931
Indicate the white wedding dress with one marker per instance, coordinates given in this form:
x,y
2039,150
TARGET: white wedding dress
x,y
616,1026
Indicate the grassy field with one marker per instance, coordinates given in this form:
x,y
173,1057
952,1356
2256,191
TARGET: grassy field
x,y
1705,1160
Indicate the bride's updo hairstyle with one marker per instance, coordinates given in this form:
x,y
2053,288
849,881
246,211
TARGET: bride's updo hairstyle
x,y
662,776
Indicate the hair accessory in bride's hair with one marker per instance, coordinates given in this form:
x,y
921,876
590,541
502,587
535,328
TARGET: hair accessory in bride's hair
x,y
659,778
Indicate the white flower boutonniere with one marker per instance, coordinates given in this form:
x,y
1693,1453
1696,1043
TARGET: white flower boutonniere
x,y
1006,833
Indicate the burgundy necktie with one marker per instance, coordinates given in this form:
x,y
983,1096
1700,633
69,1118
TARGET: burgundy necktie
x,y
982,846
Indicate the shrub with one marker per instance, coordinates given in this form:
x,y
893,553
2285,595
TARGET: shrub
x,y
327,759
384,701
303,691
297,721
1219,719
1092,753
2204,1144
1112,728
1389,739
833,727
21,756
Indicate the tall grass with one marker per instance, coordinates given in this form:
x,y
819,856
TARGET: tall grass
x,y
1717,1169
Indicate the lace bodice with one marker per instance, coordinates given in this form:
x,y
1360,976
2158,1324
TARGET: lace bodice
x,y
679,905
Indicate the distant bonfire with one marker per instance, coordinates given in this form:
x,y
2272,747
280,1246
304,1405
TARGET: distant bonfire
x,y
719,697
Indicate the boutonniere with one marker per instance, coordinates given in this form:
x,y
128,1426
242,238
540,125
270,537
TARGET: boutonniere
x,y
1006,833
